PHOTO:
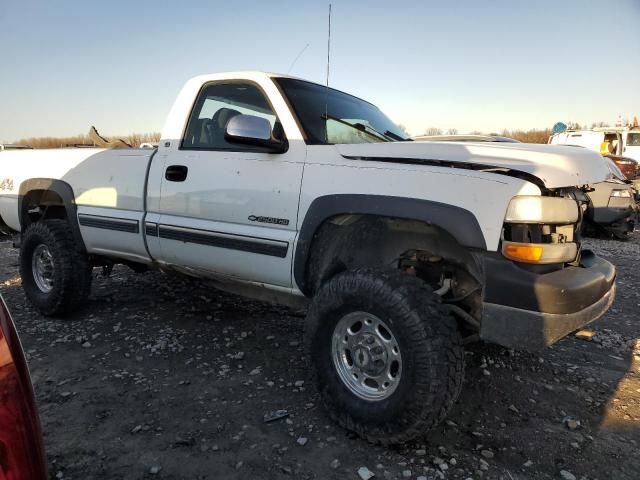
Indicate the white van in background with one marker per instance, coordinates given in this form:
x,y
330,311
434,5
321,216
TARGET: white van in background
x,y
632,144
606,140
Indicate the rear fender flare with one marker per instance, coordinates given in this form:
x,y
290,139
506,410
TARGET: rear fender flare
x,y
63,190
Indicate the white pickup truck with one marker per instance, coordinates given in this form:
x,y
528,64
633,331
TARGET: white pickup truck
x,y
286,190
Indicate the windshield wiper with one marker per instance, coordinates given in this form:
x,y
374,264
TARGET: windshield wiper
x,y
395,136
361,127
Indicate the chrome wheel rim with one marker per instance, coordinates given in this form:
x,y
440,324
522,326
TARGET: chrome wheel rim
x,y
42,268
366,356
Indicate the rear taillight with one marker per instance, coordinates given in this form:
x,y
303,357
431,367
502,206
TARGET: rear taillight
x,y
21,450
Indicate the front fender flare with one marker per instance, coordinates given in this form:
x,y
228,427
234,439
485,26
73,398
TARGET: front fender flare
x,y
457,221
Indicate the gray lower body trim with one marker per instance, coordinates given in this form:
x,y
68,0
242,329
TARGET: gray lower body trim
x,y
529,330
151,229
109,223
262,246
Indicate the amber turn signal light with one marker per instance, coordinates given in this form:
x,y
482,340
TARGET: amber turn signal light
x,y
522,253
539,252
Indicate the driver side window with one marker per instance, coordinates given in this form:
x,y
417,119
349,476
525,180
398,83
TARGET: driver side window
x,y
218,103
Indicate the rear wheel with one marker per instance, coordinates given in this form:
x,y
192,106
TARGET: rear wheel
x,y
56,275
388,357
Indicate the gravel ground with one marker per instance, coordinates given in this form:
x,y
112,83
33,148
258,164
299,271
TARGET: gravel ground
x,y
163,377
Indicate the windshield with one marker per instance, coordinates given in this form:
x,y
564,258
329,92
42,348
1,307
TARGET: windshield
x,y
329,116
633,139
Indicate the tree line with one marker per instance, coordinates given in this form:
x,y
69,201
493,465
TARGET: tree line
x,y
535,135
134,139
526,136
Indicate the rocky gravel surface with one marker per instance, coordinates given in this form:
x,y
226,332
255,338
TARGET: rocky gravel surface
x,y
164,377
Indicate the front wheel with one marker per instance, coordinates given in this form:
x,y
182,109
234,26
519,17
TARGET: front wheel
x,y
56,275
388,356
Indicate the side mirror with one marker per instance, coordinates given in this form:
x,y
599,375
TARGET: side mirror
x,y
252,130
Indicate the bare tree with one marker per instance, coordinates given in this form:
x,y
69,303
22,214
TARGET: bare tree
x,y
529,136
452,131
433,131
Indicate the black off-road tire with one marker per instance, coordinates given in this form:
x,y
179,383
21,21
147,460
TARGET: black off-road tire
x,y
72,277
430,343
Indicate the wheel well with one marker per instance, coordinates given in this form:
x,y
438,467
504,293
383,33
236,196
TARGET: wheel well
x,y
40,205
427,251
4,228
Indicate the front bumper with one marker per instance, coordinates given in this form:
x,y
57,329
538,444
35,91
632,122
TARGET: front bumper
x,y
528,310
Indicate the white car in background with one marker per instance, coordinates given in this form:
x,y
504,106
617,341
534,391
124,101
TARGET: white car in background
x,y
623,141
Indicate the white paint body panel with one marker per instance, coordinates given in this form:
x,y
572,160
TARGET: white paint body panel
x,y
111,179
556,166
112,243
223,189
238,264
486,195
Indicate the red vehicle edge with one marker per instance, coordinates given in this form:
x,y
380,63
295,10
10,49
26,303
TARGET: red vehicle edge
x,y
21,446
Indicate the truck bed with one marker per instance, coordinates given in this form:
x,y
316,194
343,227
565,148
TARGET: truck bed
x,y
109,179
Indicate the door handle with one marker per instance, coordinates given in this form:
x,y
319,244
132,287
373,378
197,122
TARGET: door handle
x,y
176,173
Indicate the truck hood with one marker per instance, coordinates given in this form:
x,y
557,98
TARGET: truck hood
x,y
555,166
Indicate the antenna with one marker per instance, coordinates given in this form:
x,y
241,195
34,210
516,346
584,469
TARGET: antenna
x,y
329,46
326,95
297,57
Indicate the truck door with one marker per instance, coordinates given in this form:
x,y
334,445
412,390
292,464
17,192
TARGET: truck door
x,y
228,209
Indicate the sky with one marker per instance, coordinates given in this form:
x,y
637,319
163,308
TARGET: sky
x,y
475,66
